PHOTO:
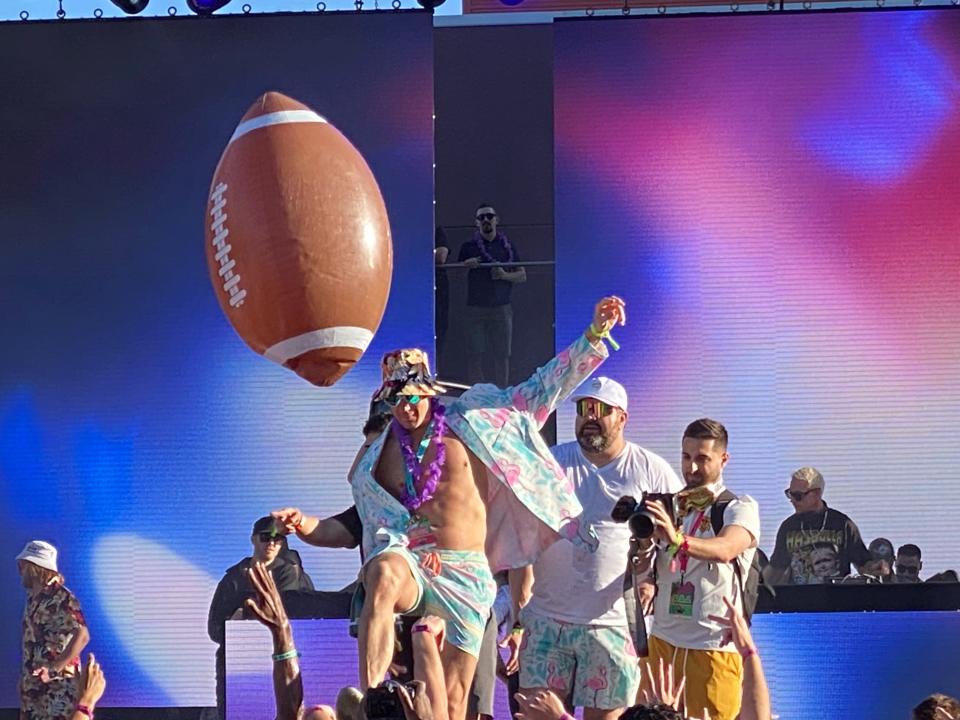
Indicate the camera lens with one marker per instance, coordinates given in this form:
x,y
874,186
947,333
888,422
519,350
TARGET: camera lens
x,y
641,524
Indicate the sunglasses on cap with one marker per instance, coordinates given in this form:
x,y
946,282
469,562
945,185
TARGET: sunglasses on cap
x,y
397,399
266,537
798,495
486,216
586,406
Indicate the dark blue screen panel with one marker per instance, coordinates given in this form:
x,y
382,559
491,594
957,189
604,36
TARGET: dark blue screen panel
x,y
137,431
856,665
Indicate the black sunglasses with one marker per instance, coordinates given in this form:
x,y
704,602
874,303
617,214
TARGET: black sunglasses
x,y
266,537
486,216
907,569
798,495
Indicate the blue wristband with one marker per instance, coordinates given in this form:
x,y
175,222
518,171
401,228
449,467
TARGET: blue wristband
x,y
288,655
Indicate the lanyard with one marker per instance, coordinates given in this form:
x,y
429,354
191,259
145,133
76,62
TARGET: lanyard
x,y
683,557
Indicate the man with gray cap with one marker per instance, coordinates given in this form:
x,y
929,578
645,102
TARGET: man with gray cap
x,y
54,634
813,525
578,642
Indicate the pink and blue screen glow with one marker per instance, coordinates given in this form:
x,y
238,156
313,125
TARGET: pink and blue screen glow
x,y
776,199
775,196
137,431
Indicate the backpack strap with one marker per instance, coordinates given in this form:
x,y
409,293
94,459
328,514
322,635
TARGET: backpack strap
x,y
718,508
716,521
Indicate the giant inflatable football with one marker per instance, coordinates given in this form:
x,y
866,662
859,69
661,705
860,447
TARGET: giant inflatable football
x,y
298,241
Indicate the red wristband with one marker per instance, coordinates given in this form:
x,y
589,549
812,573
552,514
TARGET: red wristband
x,y
85,710
421,628
748,652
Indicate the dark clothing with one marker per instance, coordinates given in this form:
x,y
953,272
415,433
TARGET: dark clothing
x,y
441,285
350,519
490,329
231,593
818,546
235,588
482,289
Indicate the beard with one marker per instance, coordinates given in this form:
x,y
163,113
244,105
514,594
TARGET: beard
x,y
697,479
595,441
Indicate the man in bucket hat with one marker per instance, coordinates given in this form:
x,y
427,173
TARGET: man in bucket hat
x,y
447,493
54,634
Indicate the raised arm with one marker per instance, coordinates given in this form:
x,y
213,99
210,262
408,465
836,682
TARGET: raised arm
x,y
756,695
92,685
427,636
732,541
268,608
552,384
339,531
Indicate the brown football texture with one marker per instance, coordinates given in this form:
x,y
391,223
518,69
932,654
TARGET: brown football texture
x,y
298,241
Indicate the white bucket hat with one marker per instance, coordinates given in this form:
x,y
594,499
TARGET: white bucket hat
x,y
40,553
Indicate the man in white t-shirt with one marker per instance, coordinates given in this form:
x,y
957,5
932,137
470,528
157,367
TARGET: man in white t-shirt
x,y
695,571
577,641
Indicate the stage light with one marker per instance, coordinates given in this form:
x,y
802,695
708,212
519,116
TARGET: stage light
x,y
206,7
430,4
131,7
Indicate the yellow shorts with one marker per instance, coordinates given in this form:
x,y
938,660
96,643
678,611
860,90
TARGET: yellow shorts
x,y
714,678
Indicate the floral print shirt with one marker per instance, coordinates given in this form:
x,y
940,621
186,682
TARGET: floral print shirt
x,y
51,618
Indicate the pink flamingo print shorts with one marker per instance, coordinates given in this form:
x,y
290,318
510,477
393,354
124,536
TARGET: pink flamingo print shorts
x,y
598,664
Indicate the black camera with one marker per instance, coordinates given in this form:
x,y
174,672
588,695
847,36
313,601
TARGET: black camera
x,y
383,702
636,515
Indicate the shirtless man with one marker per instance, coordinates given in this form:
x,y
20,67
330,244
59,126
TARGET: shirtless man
x,y
446,494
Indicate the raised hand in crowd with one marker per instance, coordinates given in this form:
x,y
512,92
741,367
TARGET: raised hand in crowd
x,y
540,705
267,607
92,685
756,695
662,689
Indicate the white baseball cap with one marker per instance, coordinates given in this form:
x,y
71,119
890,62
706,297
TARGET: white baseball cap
x,y
40,553
603,389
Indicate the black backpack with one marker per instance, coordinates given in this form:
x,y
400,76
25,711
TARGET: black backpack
x,y
749,585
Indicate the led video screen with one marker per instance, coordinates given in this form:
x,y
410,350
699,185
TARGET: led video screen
x,y
774,195
137,432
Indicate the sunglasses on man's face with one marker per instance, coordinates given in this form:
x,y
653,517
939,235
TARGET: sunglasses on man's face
x,y
588,406
907,569
266,537
397,399
486,216
798,495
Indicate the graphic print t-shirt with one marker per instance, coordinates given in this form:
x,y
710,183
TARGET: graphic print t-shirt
x,y
818,546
